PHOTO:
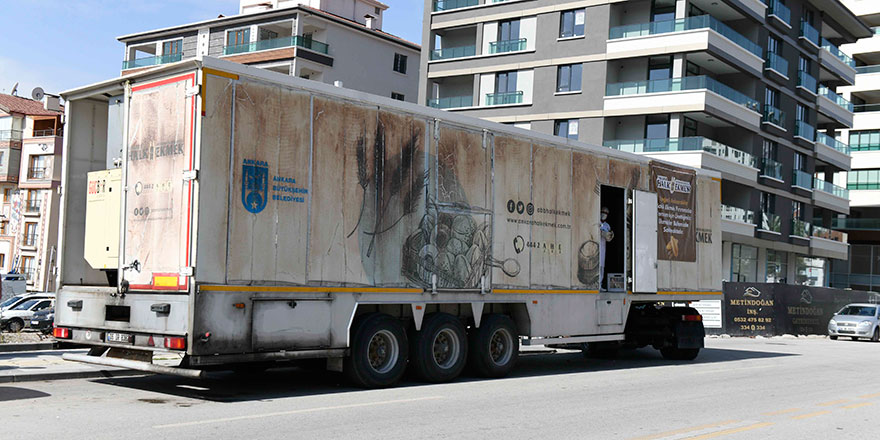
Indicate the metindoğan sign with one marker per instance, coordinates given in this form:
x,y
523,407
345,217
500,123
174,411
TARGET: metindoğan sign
x,y
676,202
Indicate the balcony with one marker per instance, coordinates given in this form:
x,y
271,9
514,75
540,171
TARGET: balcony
x,y
278,43
696,152
809,34
779,12
451,102
802,180
830,196
38,173
832,151
856,224
505,46
448,5
771,169
681,95
774,116
701,33
829,243
10,135
450,53
800,228
507,98
807,82
805,131
771,223
777,65
151,61
48,132
835,107
737,221
837,62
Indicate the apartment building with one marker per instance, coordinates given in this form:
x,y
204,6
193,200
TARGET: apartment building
x,y
30,172
323,40
862,270
743,87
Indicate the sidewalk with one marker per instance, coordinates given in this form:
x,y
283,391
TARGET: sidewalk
x,y
28,366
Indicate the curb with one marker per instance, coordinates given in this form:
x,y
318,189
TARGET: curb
x,y
26,346
69,375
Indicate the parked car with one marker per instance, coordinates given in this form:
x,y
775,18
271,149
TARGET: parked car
x,y
18,299
43,320
15,318
856,321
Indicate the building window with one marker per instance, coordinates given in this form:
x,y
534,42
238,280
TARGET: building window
x,y
662,10
810,271
657,126
172,47
801,113
238,37
659,68
30,234
27,267
690,128
508,30
777,266
397,96
37,167
3,226
774,45
3,261
400,63
505,82
744,263
567,128
866,140
571,23
863,179
7,195
800,162
771,97
568,78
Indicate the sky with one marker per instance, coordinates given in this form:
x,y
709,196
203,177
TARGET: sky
x,y
62,44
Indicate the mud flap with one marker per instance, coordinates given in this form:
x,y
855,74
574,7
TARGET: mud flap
x,y
689,334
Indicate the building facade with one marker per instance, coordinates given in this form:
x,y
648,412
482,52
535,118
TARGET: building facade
x,y
743,87
323,40
862,270
30,173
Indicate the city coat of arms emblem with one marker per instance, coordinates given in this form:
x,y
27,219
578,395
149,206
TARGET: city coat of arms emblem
x,y
254,185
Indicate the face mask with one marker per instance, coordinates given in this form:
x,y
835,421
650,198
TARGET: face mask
x,y
604,216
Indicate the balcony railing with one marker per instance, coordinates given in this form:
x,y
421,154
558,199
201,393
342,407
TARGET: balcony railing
x,y
774,116
802,179
830,188
800,228
834,50
505,46
10,135
807,81
829,234
735,214
861,224
823,138
451,102
771,168
777,63
37,173
48,132
448,53
504,98
32,205
809,33
775,7
30,239
28,273
834,97
151,61
804,130
678,85
695,143
864,108
278,43
685,24
771,222
446,5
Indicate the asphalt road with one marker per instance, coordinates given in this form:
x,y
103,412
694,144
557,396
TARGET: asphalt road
x,y
737,389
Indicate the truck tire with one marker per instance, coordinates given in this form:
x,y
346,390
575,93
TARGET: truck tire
x,y
679,354
833,338
378,352
494,346
15,325
439,349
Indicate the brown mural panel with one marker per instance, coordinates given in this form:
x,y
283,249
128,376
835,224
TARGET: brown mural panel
x,y
589,172
550,215
512,188
463,168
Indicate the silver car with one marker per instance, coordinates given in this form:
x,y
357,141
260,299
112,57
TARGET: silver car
x,y
856,321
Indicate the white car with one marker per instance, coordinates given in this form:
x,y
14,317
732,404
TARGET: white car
x,y
15,318
856,321
18,299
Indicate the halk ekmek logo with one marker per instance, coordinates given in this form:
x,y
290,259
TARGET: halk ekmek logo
x,y
674,185
254,185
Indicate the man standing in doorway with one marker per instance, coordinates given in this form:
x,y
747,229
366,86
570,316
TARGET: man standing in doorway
x,y
605,235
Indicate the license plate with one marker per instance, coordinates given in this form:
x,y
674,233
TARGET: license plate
x,y
118,337
35,322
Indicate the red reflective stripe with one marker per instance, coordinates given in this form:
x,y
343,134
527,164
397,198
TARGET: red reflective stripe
x,y
164,82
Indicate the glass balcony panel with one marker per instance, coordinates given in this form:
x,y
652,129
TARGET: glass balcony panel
x,y
829,234
833,143
802,179
10,135
834,50
774,116
864,108
504,98
807,81
771,168
771,222
278,43
800,228
695,143
830,188
862,224
681,84
685,24
505,46
834,97
446,5
452,102
777,63
775,7
868,69
810,33
151,61
805,130
449,53
735,214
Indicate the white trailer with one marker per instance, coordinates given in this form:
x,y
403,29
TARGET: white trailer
x,y
265,218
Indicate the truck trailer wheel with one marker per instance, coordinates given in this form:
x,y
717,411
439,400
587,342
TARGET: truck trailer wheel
x,y
439,349
679,354
379,351
494,346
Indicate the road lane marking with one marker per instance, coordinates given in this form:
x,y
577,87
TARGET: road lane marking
x,y
869,396
296,411
834,402
808,415
715,370
782,411
731,431
857,405
686,430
